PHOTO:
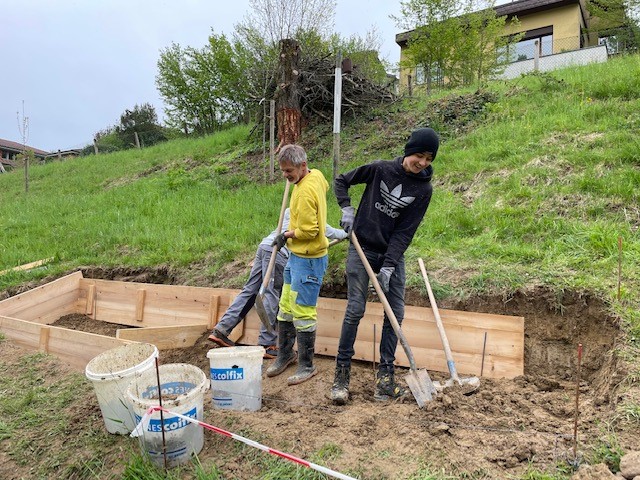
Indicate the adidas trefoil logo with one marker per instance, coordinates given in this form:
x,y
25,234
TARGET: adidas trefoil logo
x,y
392,200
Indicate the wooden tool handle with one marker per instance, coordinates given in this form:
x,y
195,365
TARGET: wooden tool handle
x,y
272,260
436,314
385,303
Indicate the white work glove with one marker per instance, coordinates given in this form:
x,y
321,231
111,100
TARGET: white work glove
x,y
348,217
340,234
384,277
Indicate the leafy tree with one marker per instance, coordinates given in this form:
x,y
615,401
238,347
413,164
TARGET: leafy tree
x,y
142,120
279,19
203,88
229,79
462,42
309,22
617,19
363,52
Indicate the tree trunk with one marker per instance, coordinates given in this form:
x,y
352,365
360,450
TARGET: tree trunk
x,y
287,94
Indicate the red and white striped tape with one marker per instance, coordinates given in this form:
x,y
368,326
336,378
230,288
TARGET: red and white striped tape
x,y
144,422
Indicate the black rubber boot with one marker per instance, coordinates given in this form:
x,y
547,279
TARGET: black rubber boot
x,y
306,370
387,388
340,388
286,355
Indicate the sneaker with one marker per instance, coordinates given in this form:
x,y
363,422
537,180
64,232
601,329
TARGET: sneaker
x,y
270,352
221,339
387,388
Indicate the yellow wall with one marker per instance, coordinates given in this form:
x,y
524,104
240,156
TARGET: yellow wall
x,y
566,22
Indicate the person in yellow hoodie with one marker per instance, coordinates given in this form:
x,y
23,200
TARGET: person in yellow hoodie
x,y
305,238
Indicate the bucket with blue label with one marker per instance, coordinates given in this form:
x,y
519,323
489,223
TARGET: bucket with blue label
x,y
236,377
182,389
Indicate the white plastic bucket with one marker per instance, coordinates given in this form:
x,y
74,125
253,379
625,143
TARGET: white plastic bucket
x,y
183,387
111,372
236,377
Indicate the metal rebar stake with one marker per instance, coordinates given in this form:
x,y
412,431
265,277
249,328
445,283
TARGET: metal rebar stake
x,y
164,443
575,417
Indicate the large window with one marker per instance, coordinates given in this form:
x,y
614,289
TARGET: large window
x,y
540,39
526,49
437,78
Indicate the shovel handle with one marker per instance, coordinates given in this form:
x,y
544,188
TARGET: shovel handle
x,y
385,303
272,260
443,335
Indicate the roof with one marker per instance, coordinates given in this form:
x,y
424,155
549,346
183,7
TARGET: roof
x,y
18,147
518,8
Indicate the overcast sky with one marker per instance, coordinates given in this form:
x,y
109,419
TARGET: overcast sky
x,y
78,64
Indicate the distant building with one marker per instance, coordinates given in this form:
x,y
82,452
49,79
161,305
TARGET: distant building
x,y
10,150
549,28
60,154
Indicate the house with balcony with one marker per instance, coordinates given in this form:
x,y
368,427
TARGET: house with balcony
x,y
10,150
554,33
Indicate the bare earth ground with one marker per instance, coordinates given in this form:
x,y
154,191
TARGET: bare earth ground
x,y
499,431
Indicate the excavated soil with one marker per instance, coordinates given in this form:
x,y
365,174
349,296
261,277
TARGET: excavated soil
x,y
499,431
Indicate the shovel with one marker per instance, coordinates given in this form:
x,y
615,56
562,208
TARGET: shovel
x,y
262,312
469,384
418,381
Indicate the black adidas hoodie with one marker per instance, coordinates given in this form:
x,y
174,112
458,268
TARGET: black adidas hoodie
x,y
392,205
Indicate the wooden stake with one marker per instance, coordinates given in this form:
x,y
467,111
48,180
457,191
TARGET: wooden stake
x,y
619,265
27,266
214,305
272,137
91,300
44,339
142,293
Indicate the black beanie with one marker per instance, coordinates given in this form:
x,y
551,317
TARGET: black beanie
x,y
422,140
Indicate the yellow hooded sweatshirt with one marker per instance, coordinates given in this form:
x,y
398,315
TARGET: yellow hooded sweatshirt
x,y
309,216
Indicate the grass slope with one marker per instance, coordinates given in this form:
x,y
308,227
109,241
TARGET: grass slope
x,y
536,183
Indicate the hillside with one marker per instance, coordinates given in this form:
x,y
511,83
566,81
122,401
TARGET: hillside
x,y
535,212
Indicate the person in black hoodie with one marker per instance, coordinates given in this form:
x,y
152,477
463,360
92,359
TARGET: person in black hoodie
x,y
394,201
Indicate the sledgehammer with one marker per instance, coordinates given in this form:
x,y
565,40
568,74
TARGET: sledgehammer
x,y
470,384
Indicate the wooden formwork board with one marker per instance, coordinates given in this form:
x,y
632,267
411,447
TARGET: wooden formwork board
x,y
176,316
46,303
151,305
72,346
503,352
165,338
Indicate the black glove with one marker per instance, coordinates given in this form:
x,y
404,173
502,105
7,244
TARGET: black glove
x,y
280,241
384,276
348,217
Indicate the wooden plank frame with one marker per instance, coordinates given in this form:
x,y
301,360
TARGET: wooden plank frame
x,y
72,346
176,316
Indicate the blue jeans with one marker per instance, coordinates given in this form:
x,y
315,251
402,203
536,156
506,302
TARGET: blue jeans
x,y
357,289
247,297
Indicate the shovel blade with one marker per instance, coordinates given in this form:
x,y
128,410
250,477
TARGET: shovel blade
x,y
421,386
262,313
465,385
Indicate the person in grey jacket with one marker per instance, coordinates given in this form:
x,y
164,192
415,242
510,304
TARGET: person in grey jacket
x,y
247,296
394,201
